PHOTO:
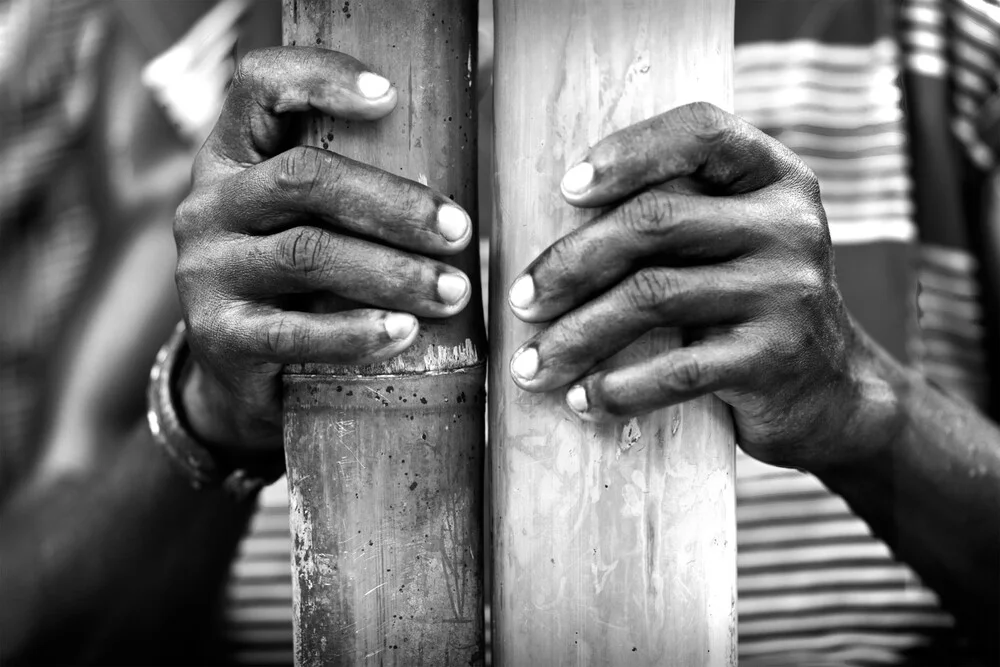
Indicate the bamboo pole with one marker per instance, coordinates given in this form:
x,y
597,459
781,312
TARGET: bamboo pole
x,y
613,545
385,462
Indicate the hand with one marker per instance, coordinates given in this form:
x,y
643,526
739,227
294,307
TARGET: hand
x,y
267,223
746,269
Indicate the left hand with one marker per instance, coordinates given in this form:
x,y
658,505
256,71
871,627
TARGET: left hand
x,y
748,266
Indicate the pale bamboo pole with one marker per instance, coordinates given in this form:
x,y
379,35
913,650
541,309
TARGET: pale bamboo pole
x,y
613,545
385,462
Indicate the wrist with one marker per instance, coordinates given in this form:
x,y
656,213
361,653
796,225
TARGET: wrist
x,y
204,463
880,386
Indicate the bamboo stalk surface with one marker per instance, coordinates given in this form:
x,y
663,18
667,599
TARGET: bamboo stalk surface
x,y
613,545
385,461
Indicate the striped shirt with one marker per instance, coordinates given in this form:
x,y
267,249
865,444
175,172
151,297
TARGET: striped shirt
x,y
815,586
828,79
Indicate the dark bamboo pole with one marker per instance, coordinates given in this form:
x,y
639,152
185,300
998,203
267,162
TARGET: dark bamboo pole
x,y
385,462
613,545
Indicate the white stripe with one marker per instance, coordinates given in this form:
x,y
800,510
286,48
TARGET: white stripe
x,y
775,114
856,166
880,619
890,574
813,555
250,591
791,75
977,31
801,140
794,483
924,15
980,153
244,569
260,545
931,40
850,639
987,11
800,603
966,104
820,507
952,353
275,495
898,183
971,81
864,655
953,260
859,102
968,52
929,64
849,527
953,374
270,522
895,207
764,54
945,306
933,321
260,614
901,230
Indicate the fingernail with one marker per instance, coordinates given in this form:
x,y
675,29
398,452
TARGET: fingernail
x,y
525,363
372,85
452,287
453,223
399,325
576,398
522,292
578,179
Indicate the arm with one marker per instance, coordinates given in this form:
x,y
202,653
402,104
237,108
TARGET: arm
x,y
719,229
106,552
929,485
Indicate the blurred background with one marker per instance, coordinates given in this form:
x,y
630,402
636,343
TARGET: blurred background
x,y
103,105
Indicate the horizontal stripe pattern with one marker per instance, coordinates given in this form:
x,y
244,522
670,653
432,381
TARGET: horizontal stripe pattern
x,y
958,41
952,329
838,107
815,587
814,584
259,595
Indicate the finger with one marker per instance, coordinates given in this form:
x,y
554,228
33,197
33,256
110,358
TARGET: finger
x,y
344,194
675,229
349,337
310,259
269,84
650,298
697,140
674,377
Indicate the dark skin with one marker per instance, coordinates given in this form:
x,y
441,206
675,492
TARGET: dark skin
x,y
743,258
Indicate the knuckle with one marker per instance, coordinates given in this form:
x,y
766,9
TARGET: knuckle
x,y
305,250
561,259
247,73
277,338
305,170
647,212
683,377
188,215
648,288
705,121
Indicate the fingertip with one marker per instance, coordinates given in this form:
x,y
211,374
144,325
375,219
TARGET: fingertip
x,y
576,399
578,181
521,295
400,327
373,87
453,288
454,224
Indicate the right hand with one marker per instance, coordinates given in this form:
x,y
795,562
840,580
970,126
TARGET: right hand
x,y
265,222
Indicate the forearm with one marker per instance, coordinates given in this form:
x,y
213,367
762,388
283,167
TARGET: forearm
x,y
122,562
930,488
